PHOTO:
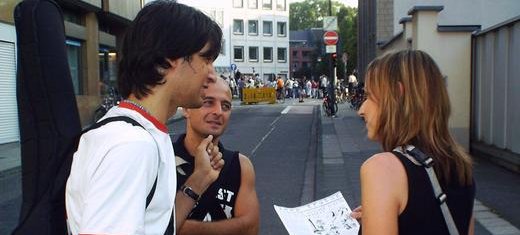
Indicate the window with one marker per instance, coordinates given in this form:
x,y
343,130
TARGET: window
x,y
282,54
267,4
252,27
268,28
107,66
253,4
216,15
238,26
294,53
268,54
237,3
238,53
253,53
72,16
223,47
305,54
281,29
74,58
280,5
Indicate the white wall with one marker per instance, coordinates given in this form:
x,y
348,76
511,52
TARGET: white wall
x,y
230,40
261,41
223,60
462,12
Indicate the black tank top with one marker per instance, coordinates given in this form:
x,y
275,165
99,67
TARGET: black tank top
x,y
218,202
422,214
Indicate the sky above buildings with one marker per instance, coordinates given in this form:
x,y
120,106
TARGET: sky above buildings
x,y
350,3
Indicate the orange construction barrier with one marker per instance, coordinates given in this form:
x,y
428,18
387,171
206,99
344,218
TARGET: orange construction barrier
x,y
257,95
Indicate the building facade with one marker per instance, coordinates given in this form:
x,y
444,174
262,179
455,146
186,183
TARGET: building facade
x,y
93,30
447,30
256,39
366,41
306,50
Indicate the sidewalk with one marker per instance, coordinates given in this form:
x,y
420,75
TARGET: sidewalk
x,y
344,147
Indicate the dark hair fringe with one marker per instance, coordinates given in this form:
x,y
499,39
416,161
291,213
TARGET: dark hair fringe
x,y
163,30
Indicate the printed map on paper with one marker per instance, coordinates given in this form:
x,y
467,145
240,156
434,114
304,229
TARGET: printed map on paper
x,y
327,216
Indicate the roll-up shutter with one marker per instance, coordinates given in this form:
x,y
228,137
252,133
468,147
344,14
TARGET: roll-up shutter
x,y
9,112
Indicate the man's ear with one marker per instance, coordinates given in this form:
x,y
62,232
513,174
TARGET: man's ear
x,y
174,63
185,113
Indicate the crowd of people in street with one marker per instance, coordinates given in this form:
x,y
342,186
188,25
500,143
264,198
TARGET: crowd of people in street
x,y
131,179
293,88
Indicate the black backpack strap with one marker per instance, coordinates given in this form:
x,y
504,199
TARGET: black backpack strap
x,y
112,119
134,123
427,162
152,191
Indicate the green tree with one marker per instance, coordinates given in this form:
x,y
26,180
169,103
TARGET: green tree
x,y
309,13
347,24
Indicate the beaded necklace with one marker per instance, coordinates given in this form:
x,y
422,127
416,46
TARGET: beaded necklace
x,y
137,105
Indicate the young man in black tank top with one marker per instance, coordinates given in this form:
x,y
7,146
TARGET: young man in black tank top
x,y
230,205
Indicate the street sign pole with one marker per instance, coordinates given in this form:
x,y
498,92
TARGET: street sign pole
x,y
331,71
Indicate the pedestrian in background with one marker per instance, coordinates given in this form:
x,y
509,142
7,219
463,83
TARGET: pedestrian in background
x,y
122,178
407,106
352,82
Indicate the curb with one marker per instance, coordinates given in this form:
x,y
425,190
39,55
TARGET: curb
x,y
309,180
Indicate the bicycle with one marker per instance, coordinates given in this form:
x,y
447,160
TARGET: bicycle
x,y
326,106
357,98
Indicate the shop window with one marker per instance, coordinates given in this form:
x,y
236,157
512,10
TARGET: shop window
x,y
107,66
74,59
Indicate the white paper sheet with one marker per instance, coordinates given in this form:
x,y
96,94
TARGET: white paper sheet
x,y
327,216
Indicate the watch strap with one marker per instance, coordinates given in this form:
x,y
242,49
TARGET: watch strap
x,y
188,191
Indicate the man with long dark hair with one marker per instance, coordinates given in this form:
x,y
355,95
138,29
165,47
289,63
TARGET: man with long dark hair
x,y
123,177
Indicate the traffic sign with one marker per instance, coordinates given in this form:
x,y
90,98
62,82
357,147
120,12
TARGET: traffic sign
x,y
330,49
330,38
233,67
330,23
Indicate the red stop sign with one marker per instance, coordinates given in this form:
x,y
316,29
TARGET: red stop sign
x,y
330,38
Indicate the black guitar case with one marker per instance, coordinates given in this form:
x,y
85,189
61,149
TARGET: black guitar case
x,y
48,116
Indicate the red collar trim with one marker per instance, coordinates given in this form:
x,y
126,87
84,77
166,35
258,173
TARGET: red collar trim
x,y
146,115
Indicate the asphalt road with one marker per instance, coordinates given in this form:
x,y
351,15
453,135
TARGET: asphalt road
x,y
278,146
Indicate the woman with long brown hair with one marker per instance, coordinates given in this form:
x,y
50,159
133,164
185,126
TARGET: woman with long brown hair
x,y
407,105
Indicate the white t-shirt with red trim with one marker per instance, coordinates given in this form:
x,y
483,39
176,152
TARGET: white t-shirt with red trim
x,y
113,172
